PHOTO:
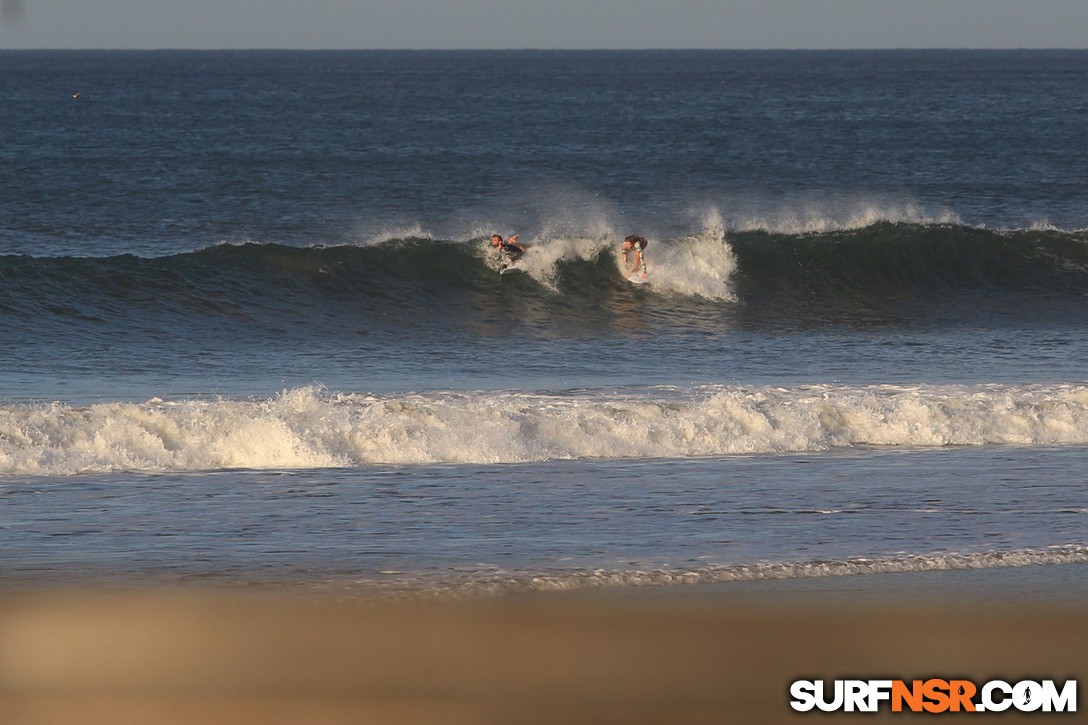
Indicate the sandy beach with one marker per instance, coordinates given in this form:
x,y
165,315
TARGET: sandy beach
x,y
722,653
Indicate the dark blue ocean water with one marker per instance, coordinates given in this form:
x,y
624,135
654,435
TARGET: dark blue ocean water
x,y
236,283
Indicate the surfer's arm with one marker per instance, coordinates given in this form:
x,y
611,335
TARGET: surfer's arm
x,y
513,241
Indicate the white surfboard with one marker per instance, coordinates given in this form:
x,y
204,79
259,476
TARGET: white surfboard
x,y
637,279
515,267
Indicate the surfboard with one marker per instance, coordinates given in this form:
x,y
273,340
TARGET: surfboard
x,y
637,279
515,267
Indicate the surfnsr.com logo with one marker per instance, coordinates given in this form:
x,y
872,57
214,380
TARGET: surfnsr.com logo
x,y
934,696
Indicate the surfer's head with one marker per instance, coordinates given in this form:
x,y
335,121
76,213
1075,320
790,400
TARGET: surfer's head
x,y
496,240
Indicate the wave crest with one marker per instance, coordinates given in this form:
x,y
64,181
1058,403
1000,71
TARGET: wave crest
x,y
889,270
310,428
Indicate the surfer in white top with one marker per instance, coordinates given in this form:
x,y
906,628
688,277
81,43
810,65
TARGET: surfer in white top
x,y
633,243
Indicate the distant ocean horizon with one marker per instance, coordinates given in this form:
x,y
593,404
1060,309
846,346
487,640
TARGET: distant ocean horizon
x,y
253,329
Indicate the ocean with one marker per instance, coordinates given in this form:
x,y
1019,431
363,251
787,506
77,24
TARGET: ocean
x,y
252,331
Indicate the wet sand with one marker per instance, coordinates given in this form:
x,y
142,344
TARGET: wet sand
x,y
713,654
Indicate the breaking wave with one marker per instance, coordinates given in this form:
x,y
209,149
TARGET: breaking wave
x,y
923,272
313,428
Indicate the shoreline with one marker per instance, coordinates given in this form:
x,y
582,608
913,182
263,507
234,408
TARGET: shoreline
x,y
1045,584
698,653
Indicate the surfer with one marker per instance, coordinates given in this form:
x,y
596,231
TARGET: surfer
x,y
509,249
635,243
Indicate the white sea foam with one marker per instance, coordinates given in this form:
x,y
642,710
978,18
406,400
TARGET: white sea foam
x,y
506,583
822,216
310,428
701,265
542,259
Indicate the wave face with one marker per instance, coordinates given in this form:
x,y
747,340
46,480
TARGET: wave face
x,y
927,274
888,266
309,428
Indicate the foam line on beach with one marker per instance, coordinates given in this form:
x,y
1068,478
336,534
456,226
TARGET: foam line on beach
x,y
498,585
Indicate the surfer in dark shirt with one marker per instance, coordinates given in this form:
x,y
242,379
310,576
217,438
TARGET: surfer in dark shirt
x,y
510,249
634,243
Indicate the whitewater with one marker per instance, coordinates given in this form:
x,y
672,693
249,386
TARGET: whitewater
x,y
312,428
252,330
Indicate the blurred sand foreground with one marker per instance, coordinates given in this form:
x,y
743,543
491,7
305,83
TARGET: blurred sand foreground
x,y
615,657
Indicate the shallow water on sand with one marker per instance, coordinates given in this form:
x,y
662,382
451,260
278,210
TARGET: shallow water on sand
x,y
553,525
